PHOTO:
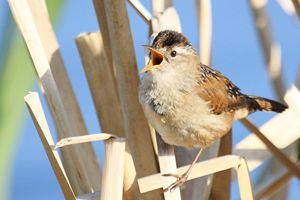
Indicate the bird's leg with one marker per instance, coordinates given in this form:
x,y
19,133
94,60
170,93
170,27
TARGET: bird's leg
x,y
181,179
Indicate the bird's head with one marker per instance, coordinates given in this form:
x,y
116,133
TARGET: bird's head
x,y
169,49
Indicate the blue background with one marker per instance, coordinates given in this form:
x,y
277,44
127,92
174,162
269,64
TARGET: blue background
x,y
236,53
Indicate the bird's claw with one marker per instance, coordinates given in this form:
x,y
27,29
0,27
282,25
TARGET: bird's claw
x,y
180,180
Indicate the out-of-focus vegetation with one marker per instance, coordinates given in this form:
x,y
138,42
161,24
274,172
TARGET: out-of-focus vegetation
x,y
16,79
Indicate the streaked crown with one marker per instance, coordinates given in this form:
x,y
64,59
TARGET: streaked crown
x,y
168,38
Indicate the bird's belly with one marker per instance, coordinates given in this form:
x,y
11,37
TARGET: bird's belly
x,y
193,128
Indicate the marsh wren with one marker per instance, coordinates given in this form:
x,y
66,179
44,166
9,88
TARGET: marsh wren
x,y
188,103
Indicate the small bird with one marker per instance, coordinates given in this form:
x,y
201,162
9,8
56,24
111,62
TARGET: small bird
x,y
188,103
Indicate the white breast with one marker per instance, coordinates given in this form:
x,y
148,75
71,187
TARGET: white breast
x,y
189,125
184,119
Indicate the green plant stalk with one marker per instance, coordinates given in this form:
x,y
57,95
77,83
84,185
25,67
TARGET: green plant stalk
x,y
16,79
6,33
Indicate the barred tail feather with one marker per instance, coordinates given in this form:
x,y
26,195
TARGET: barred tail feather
x,y
260,103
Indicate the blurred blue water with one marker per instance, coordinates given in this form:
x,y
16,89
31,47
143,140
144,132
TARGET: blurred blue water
x,y
236,52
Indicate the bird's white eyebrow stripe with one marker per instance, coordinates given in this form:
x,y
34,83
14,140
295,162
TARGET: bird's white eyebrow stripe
x,y
181,50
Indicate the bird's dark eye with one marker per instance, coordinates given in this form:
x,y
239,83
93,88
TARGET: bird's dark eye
x,y
173,53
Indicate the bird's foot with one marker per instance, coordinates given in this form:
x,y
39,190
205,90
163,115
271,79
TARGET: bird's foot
x,y
180,180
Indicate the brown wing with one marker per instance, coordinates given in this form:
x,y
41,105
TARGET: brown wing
x,y
220,93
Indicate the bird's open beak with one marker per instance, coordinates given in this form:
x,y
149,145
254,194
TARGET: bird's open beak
x,y
155,59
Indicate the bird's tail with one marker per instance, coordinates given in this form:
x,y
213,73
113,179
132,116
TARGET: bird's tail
x,y
260,103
